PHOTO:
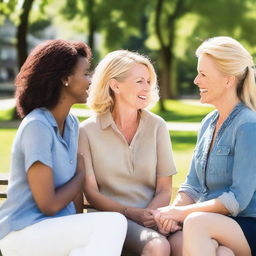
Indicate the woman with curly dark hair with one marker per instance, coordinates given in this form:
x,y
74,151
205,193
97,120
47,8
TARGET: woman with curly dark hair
x,y
46,174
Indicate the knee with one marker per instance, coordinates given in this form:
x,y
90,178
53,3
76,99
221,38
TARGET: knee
x,y
157,246
195,220
118,219
224,251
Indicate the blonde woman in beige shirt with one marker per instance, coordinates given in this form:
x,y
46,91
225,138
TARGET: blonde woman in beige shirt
x,y
127,149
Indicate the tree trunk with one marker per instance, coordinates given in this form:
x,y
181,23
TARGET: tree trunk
x,y
22,45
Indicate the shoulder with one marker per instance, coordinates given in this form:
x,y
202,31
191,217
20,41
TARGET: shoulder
x,y
246,115
90,123
35,119
152,119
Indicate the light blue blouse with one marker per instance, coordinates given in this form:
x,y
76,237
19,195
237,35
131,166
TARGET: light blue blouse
x,y
38,139
228,172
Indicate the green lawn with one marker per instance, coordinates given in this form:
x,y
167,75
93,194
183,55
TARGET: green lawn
x,y
6,139
183,145
183,142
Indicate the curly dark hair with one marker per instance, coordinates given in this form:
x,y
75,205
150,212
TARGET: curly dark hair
x,y
40,80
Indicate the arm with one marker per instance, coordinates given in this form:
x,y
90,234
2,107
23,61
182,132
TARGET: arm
x,y
243,187
163,192
48,199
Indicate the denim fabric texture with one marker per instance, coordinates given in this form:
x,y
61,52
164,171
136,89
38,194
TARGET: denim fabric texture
x,y
228,171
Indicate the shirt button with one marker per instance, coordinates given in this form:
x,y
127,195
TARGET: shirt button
x,y
71,161
218,150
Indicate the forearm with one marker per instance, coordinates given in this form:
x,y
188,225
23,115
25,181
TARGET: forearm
x,y
161,199
64,195
79,202
182,199
213,205
102,202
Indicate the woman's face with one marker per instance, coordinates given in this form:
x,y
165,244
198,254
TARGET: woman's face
x,y
212,83
134,90
79,81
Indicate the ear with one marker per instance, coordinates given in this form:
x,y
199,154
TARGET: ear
x,y
114,85
64,81
231,81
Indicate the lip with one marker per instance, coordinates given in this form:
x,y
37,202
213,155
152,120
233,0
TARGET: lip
x,y
142,97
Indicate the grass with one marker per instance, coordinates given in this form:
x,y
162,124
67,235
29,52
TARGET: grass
x,y
6,140
183,144
182,112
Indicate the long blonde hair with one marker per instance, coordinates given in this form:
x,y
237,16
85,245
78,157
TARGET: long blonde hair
x,y
233,59
116,65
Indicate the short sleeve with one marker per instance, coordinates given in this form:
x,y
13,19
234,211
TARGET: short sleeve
x,y
36,144
84,148
165,162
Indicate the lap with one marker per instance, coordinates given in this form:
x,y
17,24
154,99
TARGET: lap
x,y
222,228
138,236
248,226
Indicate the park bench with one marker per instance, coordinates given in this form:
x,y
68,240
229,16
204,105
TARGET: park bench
x,y
3,195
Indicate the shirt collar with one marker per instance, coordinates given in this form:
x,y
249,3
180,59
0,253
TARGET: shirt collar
x,y
69,122
106,119
238,107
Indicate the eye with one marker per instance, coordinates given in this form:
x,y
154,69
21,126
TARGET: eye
x,y
202,74
139,81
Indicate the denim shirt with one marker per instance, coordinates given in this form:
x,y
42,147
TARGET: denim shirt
x,y
228,172
38,139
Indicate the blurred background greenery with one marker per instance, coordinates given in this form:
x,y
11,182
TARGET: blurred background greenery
x,y
168,31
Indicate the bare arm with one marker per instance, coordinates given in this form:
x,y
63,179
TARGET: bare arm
x,y
49,199
163,192
182,199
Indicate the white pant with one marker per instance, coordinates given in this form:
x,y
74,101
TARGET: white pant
x,y
89,234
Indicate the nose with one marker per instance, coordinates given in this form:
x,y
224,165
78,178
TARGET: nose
x,y
196,80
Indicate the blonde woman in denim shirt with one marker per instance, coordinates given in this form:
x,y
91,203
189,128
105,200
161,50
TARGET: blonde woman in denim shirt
x,y
217,202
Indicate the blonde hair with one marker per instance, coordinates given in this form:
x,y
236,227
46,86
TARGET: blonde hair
x,y
233,59
116,65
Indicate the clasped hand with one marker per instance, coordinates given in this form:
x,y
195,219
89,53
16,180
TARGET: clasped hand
x,y
169,219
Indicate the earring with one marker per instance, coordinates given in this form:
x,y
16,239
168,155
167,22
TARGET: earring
x,y
66,83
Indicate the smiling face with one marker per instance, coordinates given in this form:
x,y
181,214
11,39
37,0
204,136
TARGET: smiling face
x,y
79,81
133,91
212,83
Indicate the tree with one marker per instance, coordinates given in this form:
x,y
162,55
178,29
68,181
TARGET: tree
x,y
22,29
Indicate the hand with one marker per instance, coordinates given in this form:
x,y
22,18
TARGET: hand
x,y
167,226
144,217
177,213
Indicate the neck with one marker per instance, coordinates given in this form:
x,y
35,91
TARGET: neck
x,y
226,108
60,112
124,118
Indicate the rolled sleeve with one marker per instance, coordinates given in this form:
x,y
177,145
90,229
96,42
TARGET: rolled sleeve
x,y
244,171
228,199
36,144
165,162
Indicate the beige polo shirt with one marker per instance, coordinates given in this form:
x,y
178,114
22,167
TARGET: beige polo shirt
x,y
127,173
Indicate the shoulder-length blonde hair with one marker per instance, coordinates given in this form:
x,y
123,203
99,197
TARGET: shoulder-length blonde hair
x,y
233,59
116,65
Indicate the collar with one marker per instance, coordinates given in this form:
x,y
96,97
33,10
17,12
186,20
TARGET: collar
x,y
106,119
69,122
238,107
